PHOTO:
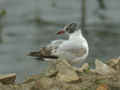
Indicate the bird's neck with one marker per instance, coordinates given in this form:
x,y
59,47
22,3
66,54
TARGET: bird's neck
x,y
75,35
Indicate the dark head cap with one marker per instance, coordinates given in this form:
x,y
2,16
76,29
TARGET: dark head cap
x,y
70,28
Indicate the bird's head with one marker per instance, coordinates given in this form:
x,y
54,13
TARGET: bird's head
x,y
69,29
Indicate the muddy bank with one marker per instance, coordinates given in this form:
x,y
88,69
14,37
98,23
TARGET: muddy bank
x,y
62,76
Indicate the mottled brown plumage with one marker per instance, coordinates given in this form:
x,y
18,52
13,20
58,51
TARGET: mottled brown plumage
x,y
43,53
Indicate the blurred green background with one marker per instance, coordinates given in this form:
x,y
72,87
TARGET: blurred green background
x,y
25,25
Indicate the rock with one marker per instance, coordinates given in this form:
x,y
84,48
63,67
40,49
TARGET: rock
x,y
62,76
83,68
103,87
51,73
43,84
66,72
8,78
114,63
51,70
102,68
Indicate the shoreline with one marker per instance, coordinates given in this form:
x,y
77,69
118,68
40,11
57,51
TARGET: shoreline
x,y
62,76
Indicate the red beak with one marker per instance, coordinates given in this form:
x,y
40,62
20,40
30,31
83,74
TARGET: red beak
x,y
60,32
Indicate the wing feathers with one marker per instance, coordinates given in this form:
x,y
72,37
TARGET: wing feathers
x,y
43,53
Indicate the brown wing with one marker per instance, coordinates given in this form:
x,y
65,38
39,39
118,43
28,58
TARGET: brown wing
x,y
43,53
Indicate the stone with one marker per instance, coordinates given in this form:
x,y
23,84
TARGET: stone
x,y
8,78
103,87
83,68
51,71
114,63
102,68
66,72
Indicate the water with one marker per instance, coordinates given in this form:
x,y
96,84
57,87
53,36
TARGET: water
x,y
21,32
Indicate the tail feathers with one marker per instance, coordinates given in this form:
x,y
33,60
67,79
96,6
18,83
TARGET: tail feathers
x,y
34,54
38,55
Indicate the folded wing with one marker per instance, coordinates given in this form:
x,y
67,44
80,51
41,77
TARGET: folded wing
x,y
47,52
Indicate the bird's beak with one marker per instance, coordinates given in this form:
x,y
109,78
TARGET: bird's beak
x,y
60,32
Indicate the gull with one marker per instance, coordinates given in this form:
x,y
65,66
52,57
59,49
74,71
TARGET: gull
x,y
75,49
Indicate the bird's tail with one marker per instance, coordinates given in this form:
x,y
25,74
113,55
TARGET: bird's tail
x,y
39,56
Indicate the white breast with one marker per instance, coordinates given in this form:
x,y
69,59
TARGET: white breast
x,y
72,48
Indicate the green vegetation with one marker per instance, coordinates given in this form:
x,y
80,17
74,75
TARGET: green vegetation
x,y
2,13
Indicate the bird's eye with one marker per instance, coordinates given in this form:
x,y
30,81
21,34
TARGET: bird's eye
x,y
67,29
